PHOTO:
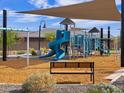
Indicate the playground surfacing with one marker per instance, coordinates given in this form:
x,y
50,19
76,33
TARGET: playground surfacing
x,y
16,71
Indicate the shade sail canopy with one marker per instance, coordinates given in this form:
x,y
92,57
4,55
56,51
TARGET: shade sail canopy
x,y
94,10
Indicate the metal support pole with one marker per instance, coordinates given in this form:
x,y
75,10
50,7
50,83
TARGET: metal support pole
x,y
66,27
39,40
4,35
101,42
66,46
122,34
28,49
108,40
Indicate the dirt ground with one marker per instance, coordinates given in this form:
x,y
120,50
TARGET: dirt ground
x,y
16,71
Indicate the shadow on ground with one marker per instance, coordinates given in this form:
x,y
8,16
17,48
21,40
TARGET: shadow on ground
x,y
20,63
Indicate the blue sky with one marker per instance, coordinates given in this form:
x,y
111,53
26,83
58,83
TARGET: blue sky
x,y
32,21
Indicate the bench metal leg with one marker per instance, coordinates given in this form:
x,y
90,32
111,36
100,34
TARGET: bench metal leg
x,y
91,77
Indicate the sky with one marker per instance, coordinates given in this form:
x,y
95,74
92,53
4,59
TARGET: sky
x,y
24,21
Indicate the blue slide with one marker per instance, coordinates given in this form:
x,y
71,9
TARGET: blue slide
x,y
62,37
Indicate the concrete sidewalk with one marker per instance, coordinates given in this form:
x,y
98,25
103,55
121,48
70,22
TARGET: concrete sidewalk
x,y
116,74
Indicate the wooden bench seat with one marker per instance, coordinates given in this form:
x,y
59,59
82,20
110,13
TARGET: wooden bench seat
x,y
73,68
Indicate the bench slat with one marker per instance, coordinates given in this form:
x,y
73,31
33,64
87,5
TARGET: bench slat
x,y
71,65
70,73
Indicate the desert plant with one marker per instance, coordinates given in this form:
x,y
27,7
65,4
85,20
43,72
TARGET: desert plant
x,y
44,50
33,51
39,82
103,88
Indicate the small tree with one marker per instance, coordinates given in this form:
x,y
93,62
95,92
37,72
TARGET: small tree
x,y
50,36
12,38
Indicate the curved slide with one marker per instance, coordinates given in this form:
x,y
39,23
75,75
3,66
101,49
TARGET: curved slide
x,y
55,47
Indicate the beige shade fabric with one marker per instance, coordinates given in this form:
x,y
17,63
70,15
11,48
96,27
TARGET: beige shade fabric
x,y
94,10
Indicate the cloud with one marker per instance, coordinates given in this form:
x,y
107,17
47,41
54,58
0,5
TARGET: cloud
x,y
9,12
1,12
92,23
22,18
27,18
55,24
45,4
89,23
39,3
68,2
48,17
118,2
51,17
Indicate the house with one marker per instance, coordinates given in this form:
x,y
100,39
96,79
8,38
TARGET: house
x,y
34,39
21,44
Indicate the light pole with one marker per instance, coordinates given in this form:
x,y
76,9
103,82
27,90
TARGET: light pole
x,y
42,25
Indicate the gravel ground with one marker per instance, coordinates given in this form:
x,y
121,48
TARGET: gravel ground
x,y
63,88
10,88
71,88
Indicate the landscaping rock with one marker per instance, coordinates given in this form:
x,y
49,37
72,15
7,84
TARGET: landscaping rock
x,y
10,88
62,88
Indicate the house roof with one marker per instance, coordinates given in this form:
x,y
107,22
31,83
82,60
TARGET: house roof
x,y
35,34
77,29
93,10
105,36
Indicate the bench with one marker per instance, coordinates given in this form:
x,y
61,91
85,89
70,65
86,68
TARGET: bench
x,y
80,68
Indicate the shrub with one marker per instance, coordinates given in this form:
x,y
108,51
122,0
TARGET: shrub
x,y
33,52
39,82
44,50
102,88
21,52
50,36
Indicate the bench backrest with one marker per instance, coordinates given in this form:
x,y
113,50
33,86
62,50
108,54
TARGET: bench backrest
x,y
72,64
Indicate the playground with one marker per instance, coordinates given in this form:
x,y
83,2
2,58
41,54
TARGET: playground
x,y
68,54
69,45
